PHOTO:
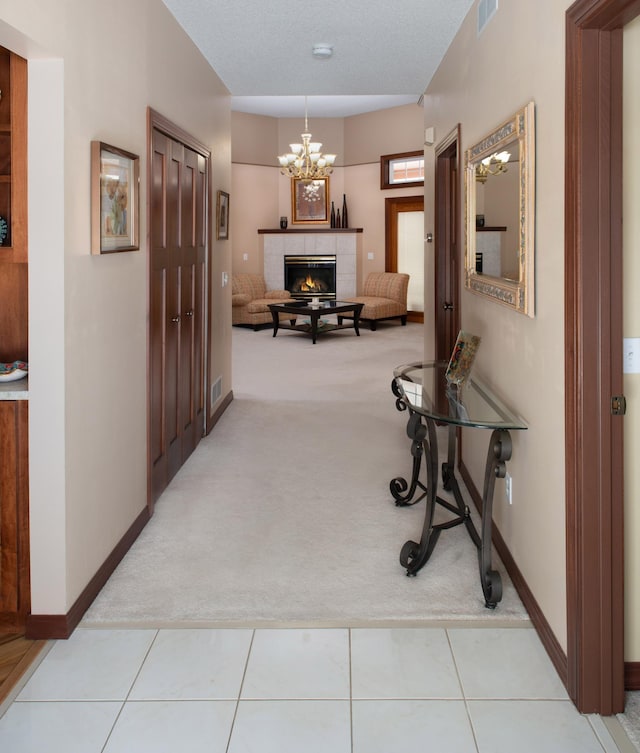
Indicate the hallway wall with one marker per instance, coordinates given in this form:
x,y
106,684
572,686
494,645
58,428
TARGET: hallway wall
x,y
480,83
88,314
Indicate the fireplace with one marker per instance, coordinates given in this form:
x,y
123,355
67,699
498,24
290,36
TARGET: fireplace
x,y
311,275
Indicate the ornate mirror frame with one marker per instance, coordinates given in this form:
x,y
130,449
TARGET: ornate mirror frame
x,y
518,294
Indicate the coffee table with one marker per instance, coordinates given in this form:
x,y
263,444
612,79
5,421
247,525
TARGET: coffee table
x,y
314,314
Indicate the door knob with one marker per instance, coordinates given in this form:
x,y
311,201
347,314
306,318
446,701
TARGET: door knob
x,y
189,313
175,319
447,306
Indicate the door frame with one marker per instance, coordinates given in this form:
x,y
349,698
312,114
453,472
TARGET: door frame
x,y
393,205
447,217
593,348
158,122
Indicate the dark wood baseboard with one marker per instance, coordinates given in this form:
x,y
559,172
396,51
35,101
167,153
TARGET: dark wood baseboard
x,y
547,637
48,626
632,675
215,416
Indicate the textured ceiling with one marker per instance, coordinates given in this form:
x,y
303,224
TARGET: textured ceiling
x,y
384,53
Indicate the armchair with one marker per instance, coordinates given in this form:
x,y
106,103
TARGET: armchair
x,y
250,299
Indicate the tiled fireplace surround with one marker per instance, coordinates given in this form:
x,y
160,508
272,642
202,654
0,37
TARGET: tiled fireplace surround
x,y
345,244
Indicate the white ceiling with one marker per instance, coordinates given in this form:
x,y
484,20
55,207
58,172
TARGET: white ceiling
x,y
384,53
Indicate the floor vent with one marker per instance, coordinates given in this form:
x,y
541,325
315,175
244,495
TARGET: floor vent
x,y
216,390
486,11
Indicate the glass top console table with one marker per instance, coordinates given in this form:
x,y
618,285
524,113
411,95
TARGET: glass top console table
x,y
423,390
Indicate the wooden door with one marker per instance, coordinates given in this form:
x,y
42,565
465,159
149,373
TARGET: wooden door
x,y
178,253
448,247
394,208
14,515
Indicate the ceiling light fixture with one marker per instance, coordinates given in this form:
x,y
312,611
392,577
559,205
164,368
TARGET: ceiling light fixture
x,y
305,160
322,51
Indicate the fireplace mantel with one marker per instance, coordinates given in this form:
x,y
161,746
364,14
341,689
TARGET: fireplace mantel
x,y
279,230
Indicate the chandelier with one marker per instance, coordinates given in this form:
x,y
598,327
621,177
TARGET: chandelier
x,y
305,160
493,165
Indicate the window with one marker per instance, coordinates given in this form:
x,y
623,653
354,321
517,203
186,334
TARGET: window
x,y
399,170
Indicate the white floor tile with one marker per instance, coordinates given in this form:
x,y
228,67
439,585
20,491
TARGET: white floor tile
x,y
291,727
57,727
194,664
402,663
97,665
504,663
531,727
171,726
298,664
390,726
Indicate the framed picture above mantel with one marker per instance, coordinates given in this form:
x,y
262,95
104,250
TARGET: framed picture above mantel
x,y
310,201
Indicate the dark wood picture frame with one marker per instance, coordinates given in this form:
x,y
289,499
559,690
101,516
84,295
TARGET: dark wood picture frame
x,y
222,216
310,201
115,181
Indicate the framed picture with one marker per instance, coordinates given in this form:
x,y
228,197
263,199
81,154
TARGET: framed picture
x,y
115,177
462,357
310,201
222,216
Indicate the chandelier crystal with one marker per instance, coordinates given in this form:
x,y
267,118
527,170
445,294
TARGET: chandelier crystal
x,y
305,160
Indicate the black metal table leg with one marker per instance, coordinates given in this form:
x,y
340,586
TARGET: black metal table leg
x,y
497,456
414,556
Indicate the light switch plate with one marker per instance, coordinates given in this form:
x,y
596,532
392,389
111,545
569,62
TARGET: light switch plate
x,y
631,355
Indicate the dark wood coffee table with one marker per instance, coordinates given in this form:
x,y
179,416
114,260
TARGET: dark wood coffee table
x,y
315,326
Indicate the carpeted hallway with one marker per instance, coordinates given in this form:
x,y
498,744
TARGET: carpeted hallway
x,y
283,515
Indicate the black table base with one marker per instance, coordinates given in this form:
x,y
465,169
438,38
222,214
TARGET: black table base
x,y
421,430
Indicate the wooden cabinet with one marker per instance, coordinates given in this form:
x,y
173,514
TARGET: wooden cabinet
x,y
14,335
14,515
13,155
14,344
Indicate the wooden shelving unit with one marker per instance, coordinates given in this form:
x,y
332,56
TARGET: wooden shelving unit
x,y
13,207
14,345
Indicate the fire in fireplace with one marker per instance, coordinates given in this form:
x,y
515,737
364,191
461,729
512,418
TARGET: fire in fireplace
x,y
309,276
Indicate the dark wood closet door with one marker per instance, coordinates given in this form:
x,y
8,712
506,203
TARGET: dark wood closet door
x,y
177,306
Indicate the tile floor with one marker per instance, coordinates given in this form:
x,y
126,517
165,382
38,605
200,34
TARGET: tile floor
x,y
358,690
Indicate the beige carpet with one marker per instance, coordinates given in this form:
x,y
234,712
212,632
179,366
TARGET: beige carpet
x,y
283,514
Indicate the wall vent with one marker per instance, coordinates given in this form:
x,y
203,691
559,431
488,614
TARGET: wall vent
x,y
486,11
216,390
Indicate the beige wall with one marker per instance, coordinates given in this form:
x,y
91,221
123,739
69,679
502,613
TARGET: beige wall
x,y
88,314
480,83
261,195
631,233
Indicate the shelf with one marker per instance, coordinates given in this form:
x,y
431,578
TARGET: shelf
x,y
289,230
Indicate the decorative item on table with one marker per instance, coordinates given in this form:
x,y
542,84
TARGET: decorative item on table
x,y
461,361
4,230
283,223
479,220
338,220
11,372
333,215
345,216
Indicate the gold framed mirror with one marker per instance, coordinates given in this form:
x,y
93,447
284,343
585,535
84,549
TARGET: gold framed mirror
x,y
500,213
